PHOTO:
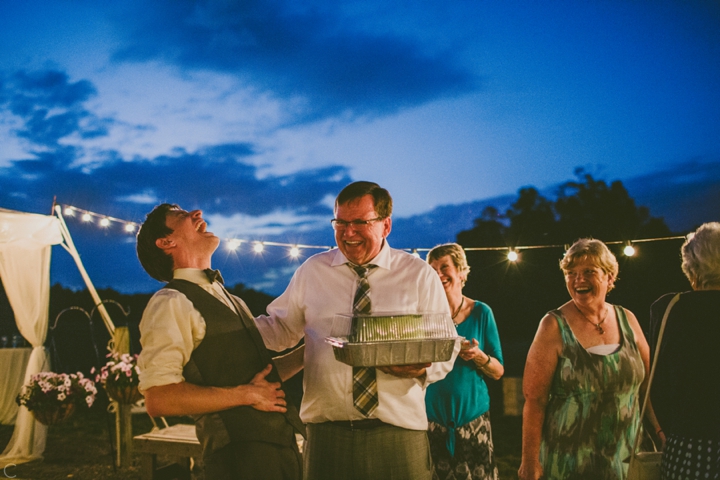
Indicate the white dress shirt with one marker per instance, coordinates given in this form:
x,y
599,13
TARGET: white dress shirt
x,y
171,328
325,286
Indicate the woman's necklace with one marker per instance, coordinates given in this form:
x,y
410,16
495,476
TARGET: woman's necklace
x,y
462,302
597,325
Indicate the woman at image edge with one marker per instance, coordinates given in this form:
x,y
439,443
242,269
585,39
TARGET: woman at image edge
x,y
685,392
458,406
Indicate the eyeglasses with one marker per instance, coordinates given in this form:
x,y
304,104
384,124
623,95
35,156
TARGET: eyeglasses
x,y
357,225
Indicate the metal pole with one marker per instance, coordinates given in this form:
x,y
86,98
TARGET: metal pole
x,y
70,247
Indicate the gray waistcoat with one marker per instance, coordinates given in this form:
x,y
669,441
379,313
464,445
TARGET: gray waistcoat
x,y
232,353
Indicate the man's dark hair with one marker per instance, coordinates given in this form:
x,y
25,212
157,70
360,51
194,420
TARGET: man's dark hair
x,y
154,260
381,197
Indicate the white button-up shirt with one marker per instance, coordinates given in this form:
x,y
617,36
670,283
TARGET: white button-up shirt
x,y
323,287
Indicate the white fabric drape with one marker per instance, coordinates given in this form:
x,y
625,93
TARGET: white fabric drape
x,y
13,363
25,241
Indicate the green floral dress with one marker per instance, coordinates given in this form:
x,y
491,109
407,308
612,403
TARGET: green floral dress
x,y
590,418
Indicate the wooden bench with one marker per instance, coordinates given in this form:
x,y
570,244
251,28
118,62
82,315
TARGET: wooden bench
x,y
177,441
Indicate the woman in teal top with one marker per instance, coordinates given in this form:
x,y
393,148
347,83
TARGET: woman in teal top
x,y
458,405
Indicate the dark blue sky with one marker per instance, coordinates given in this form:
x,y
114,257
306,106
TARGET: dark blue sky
x,y
259,112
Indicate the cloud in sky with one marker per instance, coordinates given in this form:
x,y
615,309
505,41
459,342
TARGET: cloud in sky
x,y
332,65
217,177
50,106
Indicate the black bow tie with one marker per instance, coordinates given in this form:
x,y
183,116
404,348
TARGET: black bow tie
x,y
213,275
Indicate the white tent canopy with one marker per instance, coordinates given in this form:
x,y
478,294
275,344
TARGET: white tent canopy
x,y
25,246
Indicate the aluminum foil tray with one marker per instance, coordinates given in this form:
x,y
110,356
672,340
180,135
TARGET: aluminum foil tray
x,y
399,352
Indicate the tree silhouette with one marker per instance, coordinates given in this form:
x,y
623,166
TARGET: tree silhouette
x,y
591,208
585,207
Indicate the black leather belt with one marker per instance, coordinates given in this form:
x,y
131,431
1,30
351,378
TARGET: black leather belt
x,y
359,424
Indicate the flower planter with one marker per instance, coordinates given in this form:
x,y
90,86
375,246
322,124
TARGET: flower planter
x,y
52,416
127,394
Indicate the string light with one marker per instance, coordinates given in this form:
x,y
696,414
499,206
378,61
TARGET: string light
x,y
105,221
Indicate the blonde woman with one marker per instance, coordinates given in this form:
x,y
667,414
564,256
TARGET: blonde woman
x,y
458,406
583,377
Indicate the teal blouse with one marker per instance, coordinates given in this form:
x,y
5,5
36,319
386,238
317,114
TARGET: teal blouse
x,y
462,396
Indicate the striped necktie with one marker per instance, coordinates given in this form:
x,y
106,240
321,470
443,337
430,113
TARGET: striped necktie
x,y
365,395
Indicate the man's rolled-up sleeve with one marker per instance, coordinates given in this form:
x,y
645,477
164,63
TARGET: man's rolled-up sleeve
x,y
170,330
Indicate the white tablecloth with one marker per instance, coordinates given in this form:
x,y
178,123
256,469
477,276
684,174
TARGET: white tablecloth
x,y
13,362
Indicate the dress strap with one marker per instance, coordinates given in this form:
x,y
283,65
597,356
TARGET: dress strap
x,y
627,334
566,332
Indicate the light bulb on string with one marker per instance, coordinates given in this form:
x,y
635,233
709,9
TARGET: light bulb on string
x,y
513,253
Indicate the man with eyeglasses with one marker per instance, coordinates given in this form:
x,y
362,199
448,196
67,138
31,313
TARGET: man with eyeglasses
x,y
348,439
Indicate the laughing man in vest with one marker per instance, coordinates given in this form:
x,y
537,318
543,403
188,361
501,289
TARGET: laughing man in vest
x,y
203,356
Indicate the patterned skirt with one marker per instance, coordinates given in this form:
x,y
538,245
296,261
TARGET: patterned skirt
x,y
474,454
688,458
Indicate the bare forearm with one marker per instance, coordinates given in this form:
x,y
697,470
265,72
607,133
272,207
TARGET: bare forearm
x,y
490,366
188,399
533,418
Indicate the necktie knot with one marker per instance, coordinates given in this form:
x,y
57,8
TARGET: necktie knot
x,y
361,270
213,275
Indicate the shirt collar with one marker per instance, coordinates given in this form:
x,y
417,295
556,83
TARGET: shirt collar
x,y
382,259
194,275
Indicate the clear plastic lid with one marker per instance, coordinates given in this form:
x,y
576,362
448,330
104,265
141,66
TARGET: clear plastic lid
x,y
392,326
